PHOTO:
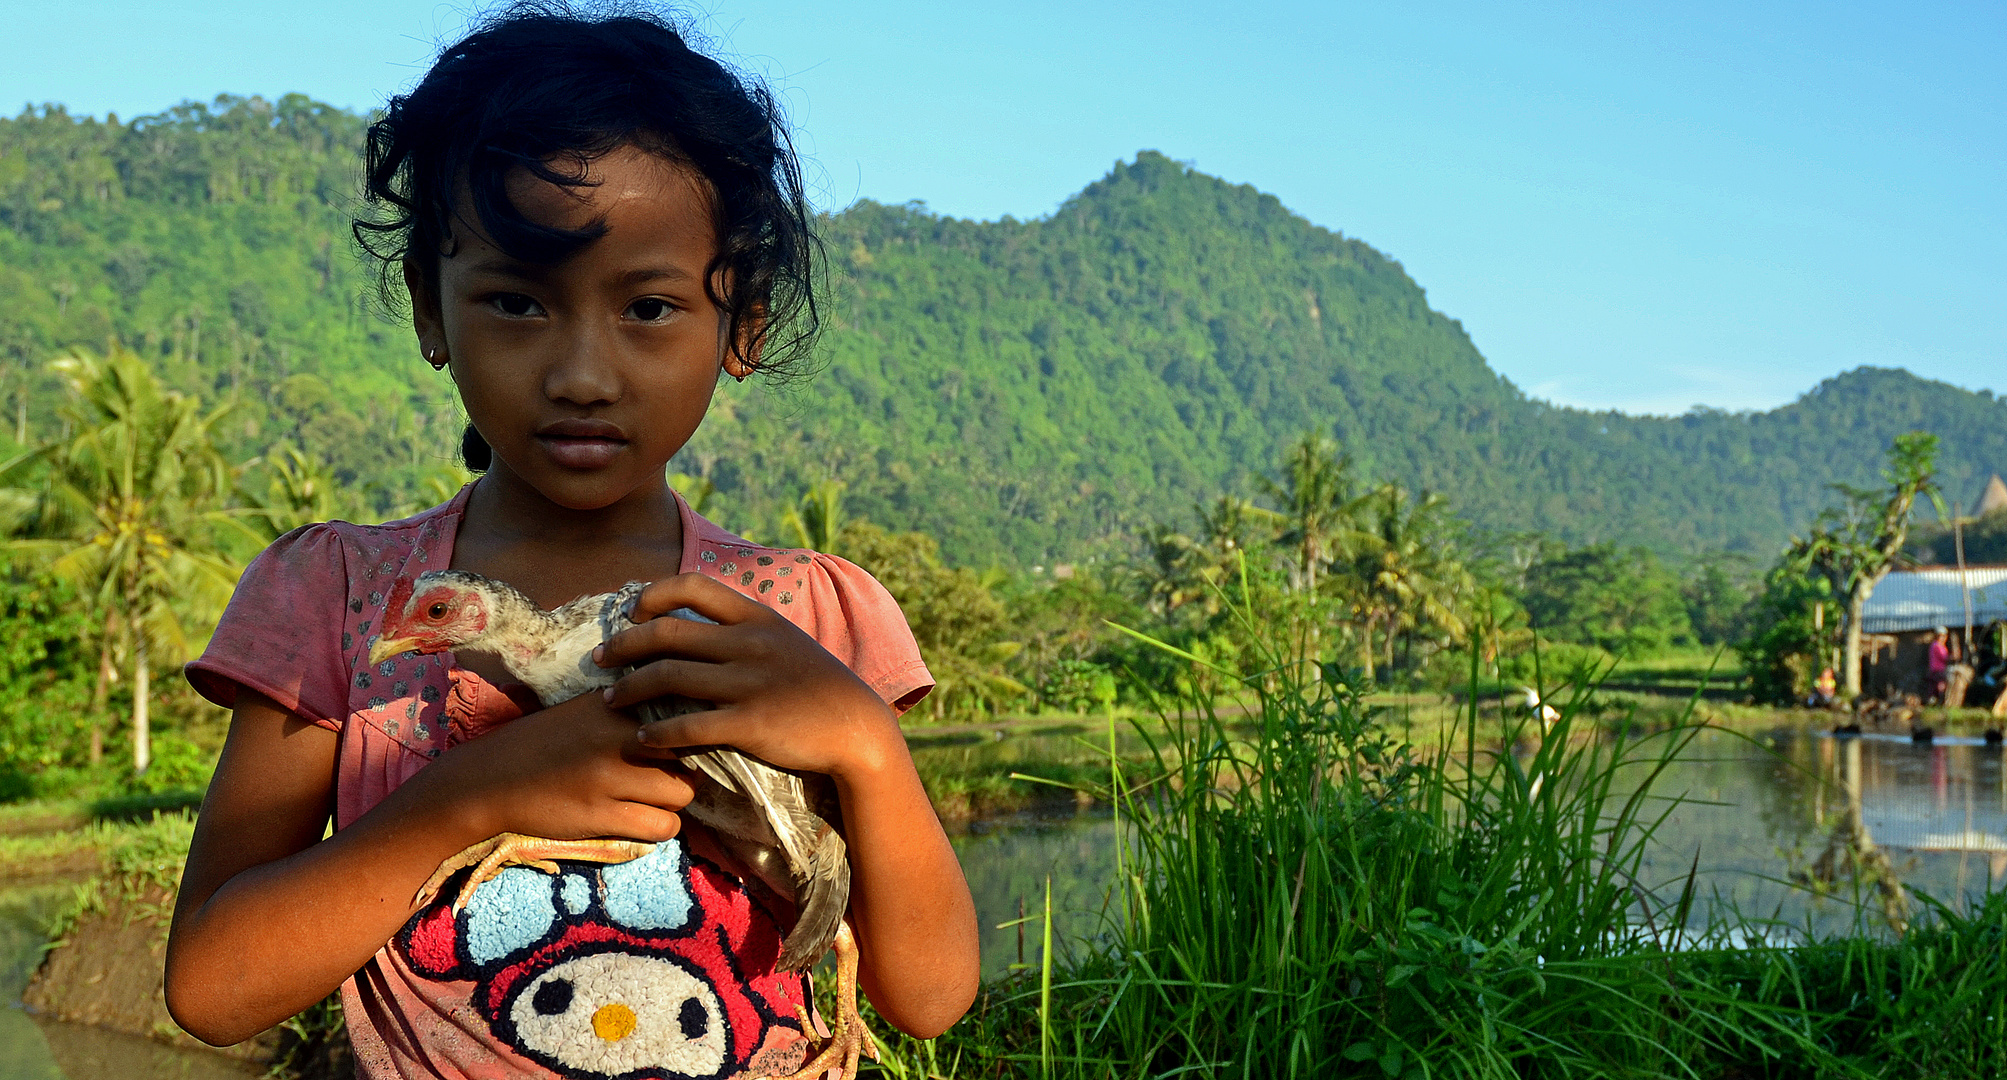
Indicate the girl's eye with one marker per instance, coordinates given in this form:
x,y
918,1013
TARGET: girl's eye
x,y
649,309
437,611
516,305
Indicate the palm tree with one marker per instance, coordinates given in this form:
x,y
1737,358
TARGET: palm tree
x,y
1856,544
300,490
1168,582
1317,505
126,511
817,521
1407,576
1231,524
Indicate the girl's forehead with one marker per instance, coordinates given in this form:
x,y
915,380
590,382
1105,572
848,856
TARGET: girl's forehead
x,y
624,177
654,211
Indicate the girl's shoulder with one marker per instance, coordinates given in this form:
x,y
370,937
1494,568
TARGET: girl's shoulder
x,y
361,549
834,600
301,614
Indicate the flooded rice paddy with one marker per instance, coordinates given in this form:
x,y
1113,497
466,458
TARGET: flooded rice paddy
x,y
1753,820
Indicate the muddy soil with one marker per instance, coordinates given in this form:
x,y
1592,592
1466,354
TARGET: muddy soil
x,y
106,973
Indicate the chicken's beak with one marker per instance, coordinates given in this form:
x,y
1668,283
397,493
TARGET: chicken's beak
x,y
387,647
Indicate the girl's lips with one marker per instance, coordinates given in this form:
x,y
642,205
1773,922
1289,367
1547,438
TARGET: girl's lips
x,y
576,452
577,442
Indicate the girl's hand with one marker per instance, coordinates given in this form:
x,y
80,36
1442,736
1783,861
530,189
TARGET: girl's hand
x,y
569,772
784,699
780,695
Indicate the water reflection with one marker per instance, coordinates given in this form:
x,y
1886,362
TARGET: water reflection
x,y
1851,854
1007,862
1852,815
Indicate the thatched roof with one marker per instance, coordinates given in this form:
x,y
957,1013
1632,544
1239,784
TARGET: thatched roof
x,y
1993,498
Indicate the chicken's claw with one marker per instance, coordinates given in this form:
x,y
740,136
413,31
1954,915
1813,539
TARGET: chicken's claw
x,y
848,1037
498,853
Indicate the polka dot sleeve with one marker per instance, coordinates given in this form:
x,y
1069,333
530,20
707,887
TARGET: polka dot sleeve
x,y
279,636
858,621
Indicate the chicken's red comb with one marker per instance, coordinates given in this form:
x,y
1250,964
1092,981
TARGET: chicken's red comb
x,y
400,596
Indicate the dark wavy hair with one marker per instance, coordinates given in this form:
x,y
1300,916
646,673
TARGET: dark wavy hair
x,y
549,86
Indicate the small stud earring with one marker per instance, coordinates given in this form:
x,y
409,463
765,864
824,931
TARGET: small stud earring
x,y
432,357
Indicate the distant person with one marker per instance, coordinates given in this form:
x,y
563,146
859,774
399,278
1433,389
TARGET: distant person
x,y
1825,690
593,223
1938,664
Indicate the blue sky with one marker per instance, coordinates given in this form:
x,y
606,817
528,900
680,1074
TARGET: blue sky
x,y
1642,206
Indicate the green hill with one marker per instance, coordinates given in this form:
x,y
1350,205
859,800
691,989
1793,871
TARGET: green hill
x,y
1027,388
1028,391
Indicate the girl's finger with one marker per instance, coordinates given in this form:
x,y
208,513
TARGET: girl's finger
x,y
684,678
665,636
658,779
708,597
706,727
641,821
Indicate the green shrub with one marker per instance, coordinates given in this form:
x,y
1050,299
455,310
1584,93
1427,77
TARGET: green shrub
x,y
1553,663
177,765
1077,686
1788,636
15,784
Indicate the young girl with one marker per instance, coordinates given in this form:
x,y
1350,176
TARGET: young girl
x,y
592,221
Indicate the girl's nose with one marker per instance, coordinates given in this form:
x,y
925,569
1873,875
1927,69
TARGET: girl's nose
x,y
585,373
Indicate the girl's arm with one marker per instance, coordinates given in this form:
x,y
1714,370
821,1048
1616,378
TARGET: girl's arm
x,y
784,699
271,918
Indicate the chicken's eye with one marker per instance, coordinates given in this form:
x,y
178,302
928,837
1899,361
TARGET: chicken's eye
x,y
437,611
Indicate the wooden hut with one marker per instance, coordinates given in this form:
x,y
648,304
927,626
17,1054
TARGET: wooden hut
x,y
1908,605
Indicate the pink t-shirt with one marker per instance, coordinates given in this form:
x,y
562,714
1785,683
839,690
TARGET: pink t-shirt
x,y
662,967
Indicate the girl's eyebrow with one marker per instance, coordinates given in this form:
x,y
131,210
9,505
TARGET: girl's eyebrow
x,y
504,266
643,274
507,267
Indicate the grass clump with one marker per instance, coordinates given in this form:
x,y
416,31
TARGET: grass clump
x,y
142,863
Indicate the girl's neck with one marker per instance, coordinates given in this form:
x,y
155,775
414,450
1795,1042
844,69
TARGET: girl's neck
x,y
555,553
506,507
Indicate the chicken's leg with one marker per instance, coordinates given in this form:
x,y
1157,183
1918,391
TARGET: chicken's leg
x,y
492,856
848,1037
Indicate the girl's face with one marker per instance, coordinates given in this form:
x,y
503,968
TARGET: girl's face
x,y
587,376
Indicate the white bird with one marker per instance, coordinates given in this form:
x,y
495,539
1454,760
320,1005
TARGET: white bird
x,y
776,822
1539,708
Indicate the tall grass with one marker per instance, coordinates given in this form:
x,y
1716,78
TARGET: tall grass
x,y
1309,895
1304,895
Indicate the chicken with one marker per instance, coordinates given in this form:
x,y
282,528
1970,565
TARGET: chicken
x,y
777,823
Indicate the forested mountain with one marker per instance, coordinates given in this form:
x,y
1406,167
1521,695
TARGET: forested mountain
x,y
216,242
1028,391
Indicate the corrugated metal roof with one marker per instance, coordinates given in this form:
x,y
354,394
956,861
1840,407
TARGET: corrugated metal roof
x,y
1921,599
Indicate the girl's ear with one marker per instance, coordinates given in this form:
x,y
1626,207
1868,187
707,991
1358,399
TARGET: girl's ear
x,y
742,357
427,319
